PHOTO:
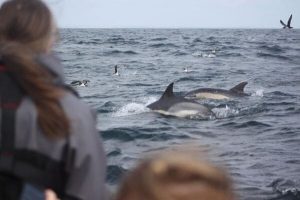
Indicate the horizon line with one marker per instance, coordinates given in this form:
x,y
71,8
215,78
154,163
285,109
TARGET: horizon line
x,y
173,28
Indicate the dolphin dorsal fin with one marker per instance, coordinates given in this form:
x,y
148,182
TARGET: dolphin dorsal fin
x,y
239,88
169,91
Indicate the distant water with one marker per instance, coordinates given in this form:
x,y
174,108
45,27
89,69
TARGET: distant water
x,y
256,138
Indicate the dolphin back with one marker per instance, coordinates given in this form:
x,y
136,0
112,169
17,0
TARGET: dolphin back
x,y
214,93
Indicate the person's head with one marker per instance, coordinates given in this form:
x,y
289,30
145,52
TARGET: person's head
x,y
27,22
175,177
27,29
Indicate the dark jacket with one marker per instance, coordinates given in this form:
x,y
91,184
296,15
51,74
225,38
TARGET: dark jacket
x,y
84,155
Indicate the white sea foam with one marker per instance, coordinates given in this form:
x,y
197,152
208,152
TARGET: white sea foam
x,y
211,54
134,73
134,108
130,109
197,54
258,93
225,112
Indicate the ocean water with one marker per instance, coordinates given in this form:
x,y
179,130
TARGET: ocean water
x,y
256,138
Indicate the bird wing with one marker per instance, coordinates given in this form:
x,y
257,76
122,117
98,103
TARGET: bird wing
x,y
283,24
289,22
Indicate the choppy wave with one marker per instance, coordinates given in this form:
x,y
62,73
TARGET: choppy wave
x,y
286,189
107,107
230,47
232,54
115,40
114,173
88,42
116,52
204,55
269,55
115,152
137,133
118,40
159,39
272,48
179,53
196,40
165,45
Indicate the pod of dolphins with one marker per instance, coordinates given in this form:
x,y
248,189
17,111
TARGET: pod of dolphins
x,y
185,106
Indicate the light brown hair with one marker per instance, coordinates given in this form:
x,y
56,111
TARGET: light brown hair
x,y
26,29
175,177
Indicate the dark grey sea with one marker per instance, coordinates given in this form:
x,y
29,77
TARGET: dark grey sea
x,y
256,138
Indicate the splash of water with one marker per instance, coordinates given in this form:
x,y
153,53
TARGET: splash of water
x,y
258,93
134,108
225,112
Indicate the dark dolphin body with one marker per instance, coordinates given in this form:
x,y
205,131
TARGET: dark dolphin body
x,y
212,93
288,25
169,104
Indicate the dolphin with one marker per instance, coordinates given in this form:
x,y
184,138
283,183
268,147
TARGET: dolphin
x,y
212,93
288,25
178,106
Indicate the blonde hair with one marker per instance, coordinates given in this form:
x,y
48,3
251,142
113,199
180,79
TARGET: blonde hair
x,y
175,177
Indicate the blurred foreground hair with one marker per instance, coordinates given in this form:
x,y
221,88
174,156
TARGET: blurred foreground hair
x,y
175,176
